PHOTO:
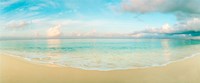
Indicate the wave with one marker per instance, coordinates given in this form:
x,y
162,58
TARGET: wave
x,y
100,69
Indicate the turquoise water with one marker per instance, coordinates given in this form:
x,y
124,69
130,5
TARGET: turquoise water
x,y
102,54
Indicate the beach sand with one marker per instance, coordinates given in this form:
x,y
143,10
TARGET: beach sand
x,y
17,70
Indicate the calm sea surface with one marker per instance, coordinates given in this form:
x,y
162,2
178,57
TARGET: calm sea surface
x,y
102,54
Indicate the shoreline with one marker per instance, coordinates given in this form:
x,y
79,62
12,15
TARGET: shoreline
x,y
17,70
62,66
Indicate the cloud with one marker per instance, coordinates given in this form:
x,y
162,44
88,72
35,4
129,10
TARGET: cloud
x,y
82,23
186,11
169,6
192,24
20,9
16,24
186,29
189,28
6,3
34,8
166,28
182,9
54,31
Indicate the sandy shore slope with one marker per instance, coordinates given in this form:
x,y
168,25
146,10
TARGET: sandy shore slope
x,y
17,70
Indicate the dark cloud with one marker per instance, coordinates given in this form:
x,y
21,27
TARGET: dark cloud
x,y
164,6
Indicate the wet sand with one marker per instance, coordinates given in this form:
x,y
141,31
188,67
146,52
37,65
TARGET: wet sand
x,y
17,70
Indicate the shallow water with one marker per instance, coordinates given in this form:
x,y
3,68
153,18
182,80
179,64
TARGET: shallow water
x,y
102,54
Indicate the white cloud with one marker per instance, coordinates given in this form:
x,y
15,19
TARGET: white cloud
x,y
189,28
16,24
166,28
6,3
54,31
82,23
192,24
138,35
34,8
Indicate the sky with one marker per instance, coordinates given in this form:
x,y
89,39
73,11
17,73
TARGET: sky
x,y
99,18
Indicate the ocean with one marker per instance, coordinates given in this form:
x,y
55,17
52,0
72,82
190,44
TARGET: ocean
x,y
102,54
